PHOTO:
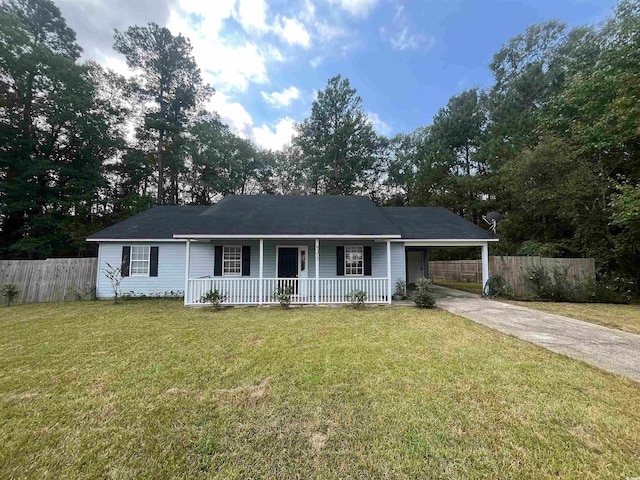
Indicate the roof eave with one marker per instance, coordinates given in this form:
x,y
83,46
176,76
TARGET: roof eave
x,y
282,235
155,240
446,242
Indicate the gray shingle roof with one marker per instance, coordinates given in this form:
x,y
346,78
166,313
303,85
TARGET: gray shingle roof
x,y
294,215
433,223
156,223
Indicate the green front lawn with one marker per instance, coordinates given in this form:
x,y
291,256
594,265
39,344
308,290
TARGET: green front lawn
x,y
151,389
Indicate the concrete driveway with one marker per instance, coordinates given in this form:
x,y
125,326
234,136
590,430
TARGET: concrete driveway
x,y
611,350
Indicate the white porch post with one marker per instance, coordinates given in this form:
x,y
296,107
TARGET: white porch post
x,y
186,272
485,265
317,271
388,271
261,286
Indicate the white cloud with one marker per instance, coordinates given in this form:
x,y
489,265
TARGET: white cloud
x,y
308,12
325,30
210,14
117,64
358,8
292,31
379,125
316,61
274,54
241,123
404,40
400,34
252,14
277,137
328,31
232,113
281,99
227,63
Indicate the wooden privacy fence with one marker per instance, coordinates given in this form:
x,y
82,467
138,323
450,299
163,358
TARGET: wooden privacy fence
x,y
512,269
51,280
456,270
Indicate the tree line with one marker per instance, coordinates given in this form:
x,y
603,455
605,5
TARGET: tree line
x,y
553,144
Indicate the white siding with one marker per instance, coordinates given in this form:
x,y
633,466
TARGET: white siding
x,y
398,264
202,255
171,263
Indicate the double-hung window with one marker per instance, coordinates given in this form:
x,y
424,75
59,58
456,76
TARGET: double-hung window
x,y
353,260
139,263
232,261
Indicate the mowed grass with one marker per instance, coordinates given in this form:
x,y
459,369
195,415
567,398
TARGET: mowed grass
x,y
150,389
621,317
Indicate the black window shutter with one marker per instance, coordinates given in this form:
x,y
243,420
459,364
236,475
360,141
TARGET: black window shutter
x,y
153,265
246,260
367,260
217,262
340,261
124,265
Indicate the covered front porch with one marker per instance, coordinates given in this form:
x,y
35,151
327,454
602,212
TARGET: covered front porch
x,y
250,271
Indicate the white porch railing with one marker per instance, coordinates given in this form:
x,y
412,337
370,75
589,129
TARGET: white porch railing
x,y
302,290
239,291
337,290
246,291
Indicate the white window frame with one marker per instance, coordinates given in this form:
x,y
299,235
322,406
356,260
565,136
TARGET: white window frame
x,y
147,248
346,256
224,248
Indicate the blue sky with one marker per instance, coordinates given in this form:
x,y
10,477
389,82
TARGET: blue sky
x,y
267,58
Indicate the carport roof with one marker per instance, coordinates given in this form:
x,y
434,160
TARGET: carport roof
x,y
433,223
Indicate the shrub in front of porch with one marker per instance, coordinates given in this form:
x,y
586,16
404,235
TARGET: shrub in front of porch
x,y
215,298
283,296
422,297
357,298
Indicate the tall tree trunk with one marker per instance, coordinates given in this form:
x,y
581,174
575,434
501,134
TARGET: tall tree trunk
x,y
160,155
15,220
174,187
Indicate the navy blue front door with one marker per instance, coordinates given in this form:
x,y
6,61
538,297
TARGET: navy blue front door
x,y
288,262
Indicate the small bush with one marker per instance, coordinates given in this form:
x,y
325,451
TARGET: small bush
x,y
614,289
283,295
555,285
131,294
114,274
401,289
357,298
9,291
422,297
214,297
